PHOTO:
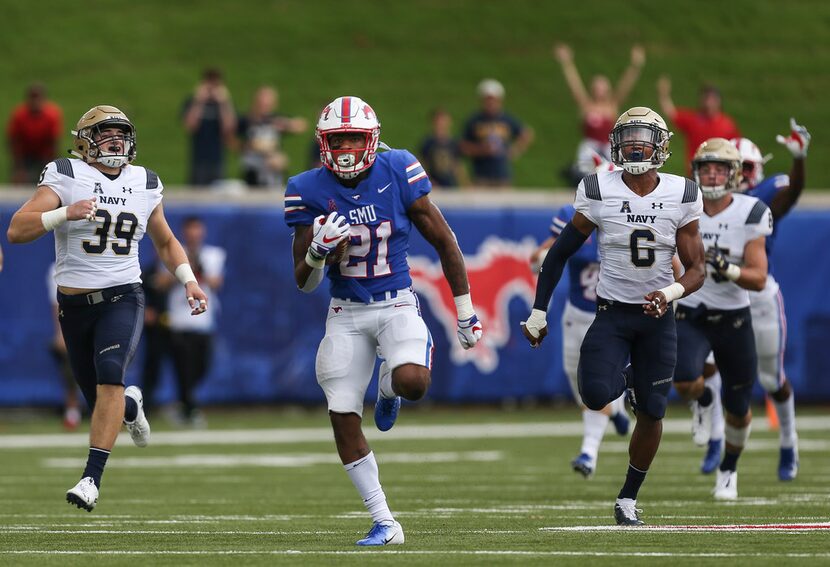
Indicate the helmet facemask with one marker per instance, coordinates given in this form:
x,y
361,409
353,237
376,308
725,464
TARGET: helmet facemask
x,y
93,147
348,163
638,136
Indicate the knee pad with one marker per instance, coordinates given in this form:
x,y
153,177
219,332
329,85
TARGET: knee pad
x,y
110,370
595,394
655,405
333,357
736,400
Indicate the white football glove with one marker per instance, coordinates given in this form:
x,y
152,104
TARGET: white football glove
x,y
328,233
469,332
797,142
535,329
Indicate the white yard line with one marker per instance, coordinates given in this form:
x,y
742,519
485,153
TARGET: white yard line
x,y
324,434
712,528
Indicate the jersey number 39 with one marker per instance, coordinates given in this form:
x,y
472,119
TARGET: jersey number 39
x,y
124,229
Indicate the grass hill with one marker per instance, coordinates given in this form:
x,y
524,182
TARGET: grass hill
x,y
770,60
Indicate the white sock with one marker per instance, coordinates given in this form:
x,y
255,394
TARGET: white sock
x,y
593,426
786,421
385,381
618,405
714,383
365,477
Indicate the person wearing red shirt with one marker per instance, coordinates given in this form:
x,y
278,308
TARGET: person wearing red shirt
x,y
697,126
33,132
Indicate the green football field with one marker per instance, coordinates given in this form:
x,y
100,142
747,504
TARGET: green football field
x,y
470,487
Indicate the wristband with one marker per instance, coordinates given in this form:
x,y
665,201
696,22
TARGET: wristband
x,y
53,219
733,272
464,307
184,273
318,263
673,292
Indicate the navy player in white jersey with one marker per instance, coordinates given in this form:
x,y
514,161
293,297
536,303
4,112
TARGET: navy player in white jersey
x,y
579,312
355,214
99,207
717,318
641,218
779,192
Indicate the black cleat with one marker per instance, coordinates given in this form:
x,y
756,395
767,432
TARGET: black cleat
x,y
626,513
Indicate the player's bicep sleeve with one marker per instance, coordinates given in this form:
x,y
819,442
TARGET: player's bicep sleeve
x,y
296,209
58,176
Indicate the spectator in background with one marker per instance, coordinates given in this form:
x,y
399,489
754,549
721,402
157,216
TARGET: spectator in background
x,y
156,332
441,153
71,407
33,132
191,338
599,108
263,161
697,126
492,138
210,119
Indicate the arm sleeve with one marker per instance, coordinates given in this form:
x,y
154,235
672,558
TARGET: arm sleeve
x,y
568,242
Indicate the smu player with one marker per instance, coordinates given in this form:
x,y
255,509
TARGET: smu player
x,y
579,312
641,218
373,200
780,193
717,318
99,207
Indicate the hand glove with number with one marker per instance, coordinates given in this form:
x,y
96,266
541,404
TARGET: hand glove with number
x,y
469,332
797,142
716,259
328,233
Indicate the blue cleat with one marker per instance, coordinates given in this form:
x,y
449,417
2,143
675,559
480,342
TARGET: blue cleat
x,y
621,423
584,465
386,412
788,464
383,534
711,459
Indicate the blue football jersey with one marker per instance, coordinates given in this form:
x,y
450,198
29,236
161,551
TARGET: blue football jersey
x,y
766,191
583,266
376,209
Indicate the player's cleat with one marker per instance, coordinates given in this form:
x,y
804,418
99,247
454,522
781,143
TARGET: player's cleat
x,y
711,459
71,419
139,428
386,412
621,422
383,534
626,513
584,465
701,423
788,464
84,494
726,485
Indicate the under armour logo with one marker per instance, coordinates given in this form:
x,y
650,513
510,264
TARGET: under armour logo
x,y
738,323
626,208
98,190
722,226
60,314
657,205
127,190
602,308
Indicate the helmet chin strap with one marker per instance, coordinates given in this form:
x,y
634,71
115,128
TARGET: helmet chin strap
x,y
637,167
713,192
112,161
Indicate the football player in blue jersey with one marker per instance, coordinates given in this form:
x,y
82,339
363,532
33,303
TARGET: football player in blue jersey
x,y
779,192
355,214
579,312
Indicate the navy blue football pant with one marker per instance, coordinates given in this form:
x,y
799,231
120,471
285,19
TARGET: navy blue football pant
x,y
728,335
101,331
622,332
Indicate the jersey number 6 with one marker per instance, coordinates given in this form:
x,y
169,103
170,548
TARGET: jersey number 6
x,y
641,257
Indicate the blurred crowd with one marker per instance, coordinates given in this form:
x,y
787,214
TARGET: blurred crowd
x,y
479,155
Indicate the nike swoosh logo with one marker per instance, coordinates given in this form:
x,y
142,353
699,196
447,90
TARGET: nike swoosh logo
x,y
328,240
384,188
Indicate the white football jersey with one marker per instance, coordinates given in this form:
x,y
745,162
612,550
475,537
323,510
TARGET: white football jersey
x,y
744,220
102,253
636,235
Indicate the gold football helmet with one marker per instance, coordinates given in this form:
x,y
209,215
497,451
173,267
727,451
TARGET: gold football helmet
x,y
637,128
91,147
718,150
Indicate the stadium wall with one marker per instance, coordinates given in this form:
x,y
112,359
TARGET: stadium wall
x,y
269,332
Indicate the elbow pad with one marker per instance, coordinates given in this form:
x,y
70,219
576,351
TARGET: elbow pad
x,y
567,243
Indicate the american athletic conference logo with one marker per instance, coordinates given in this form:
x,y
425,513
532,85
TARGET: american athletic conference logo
x,y
498,272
